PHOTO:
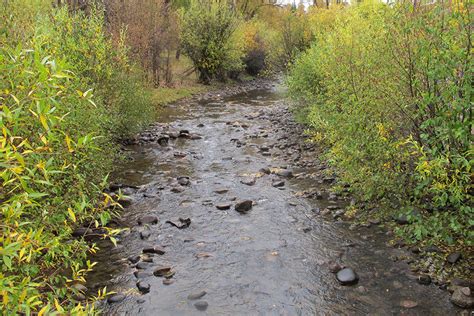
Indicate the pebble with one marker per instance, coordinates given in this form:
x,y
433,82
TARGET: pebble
x,y
408,304
223,206
424,279
116,298
161,271
147,220
155,249
134,258
197,295
143,287
201,305
454,257
243,206
347,276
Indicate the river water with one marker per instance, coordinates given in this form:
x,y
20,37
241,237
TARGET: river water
x,y
272,260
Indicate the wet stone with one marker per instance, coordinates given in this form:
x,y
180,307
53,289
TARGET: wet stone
x,y
454,257
142,265
221,191
134,258
140,274
145,234
347,276
462,297
243,206
223,206
143,287
201,305
184,181
155,249
116,298
248,181
168,281
197,295
148,220
278,184
162,271
424,279
408,304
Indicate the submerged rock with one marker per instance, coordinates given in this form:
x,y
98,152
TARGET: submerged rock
x,y
347,276
116,298
243,206
462,297
143,287
147,220
201,305
197,295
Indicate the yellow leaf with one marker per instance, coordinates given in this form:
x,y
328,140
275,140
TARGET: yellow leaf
x,y
71,213
43,121
68,143
58,307
43,310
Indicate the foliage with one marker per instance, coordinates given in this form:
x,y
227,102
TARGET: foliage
x,y
209,39
390,93
65,93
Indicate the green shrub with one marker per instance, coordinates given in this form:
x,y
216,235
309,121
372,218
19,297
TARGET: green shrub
x,y
209,39
389,92
65,94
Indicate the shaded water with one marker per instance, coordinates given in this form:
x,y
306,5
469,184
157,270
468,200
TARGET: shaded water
x,y
270,261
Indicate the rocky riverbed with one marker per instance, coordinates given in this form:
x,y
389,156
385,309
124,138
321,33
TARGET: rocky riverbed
x,y
231,213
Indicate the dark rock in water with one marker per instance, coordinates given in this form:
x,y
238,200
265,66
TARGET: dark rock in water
x,y
134,259
223,206
200,125
116,298
145,234
143,287
142,265
424,279
197,295
284,173
265,170
155,249
278,184
454,257
161,271
408,304
125,201
462,297
140,274
148,220
163,141
177,189
243,206
183,223
201,305
221,191
184,181
347,276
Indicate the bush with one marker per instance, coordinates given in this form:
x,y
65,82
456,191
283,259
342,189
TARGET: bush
x,y
390,95
209,39
65,92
